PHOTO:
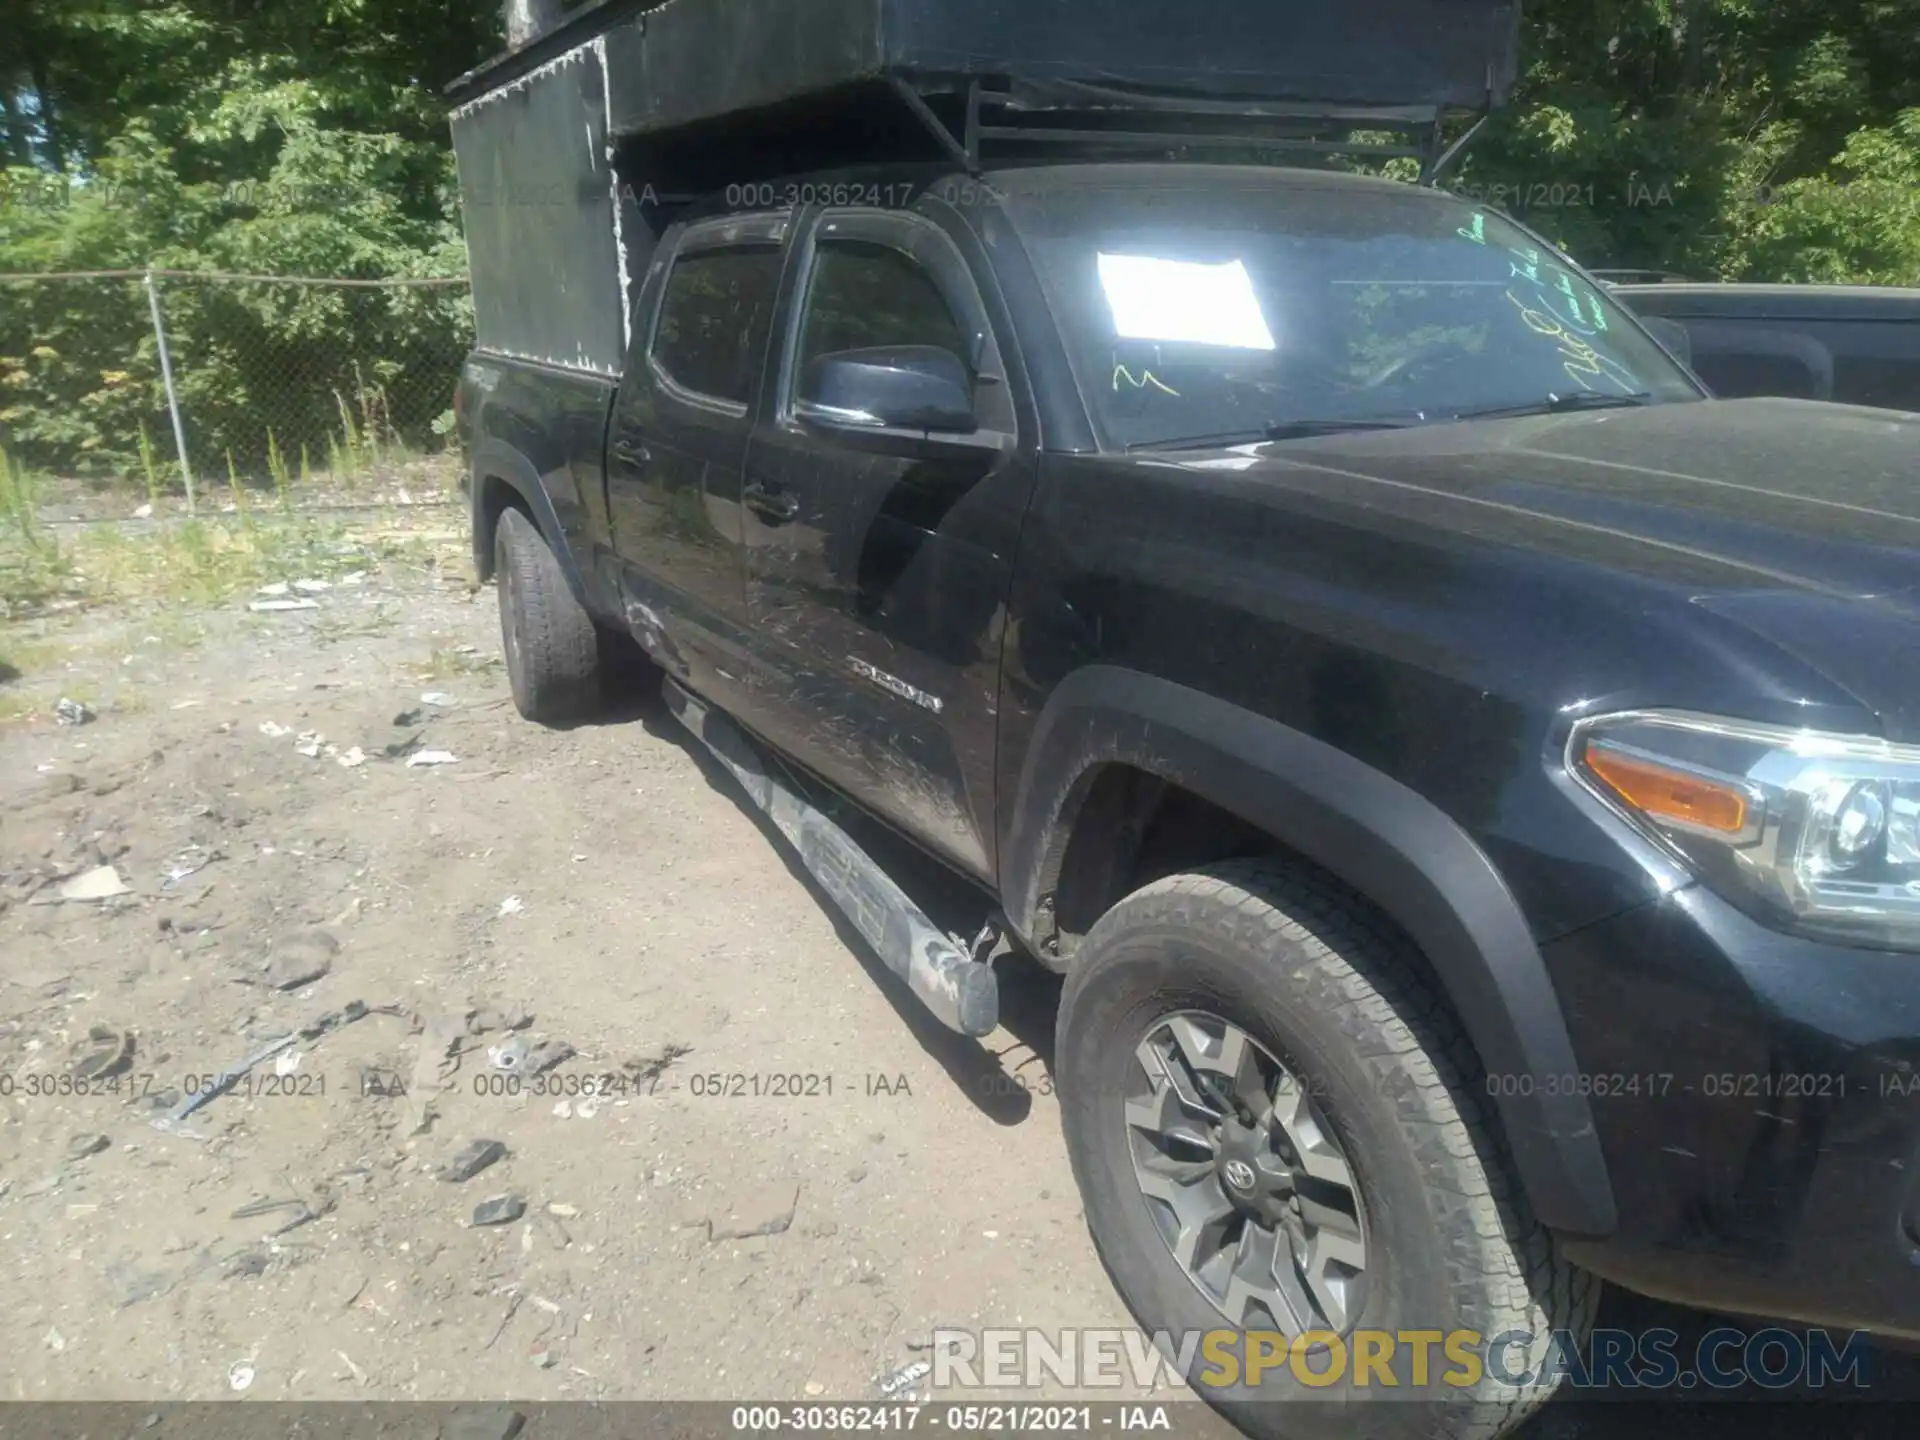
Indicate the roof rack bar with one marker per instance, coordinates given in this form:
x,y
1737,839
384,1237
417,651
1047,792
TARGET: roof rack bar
x,y
1034,94
1438,164
1195,139
964,152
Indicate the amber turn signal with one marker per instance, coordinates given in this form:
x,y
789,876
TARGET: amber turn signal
x,y
1662,793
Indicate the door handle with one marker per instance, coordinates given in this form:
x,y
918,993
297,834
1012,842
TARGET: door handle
x,y
774,506
631,452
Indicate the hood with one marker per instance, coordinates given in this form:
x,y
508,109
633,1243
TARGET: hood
x,y
1795,519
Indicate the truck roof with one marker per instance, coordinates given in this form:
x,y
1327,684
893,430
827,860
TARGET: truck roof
x,y
1783,302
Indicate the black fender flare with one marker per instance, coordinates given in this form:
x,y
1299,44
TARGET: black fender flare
x,y
1374,833
495,459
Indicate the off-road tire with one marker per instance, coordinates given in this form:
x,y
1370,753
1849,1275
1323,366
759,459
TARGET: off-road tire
x,y
1311,972
551,644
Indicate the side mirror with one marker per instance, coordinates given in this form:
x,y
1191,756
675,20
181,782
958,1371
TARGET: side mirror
x,y
1672,334
905,387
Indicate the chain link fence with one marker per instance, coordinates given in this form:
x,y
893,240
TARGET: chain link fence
x,y
177,381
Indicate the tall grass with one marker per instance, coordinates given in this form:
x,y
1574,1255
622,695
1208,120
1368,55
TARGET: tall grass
x,y
33,566
150,470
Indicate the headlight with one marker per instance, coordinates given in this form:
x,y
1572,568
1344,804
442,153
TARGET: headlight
x,y
1818,832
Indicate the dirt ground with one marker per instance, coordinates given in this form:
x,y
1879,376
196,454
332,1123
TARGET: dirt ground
x,y
761,1172
604,882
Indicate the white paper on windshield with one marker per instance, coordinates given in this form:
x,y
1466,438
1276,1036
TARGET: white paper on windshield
x,y
1180,301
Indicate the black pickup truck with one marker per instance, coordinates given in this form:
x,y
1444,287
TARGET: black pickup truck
x,y
1856,344
1469,779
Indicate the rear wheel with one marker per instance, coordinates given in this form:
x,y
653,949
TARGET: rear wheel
x,y
1276,1129
552,647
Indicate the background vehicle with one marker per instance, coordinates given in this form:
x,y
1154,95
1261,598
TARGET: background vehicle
x,y
1851,344
1318,620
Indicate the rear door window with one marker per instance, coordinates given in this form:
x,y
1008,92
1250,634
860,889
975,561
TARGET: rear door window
x,y
714,320
1739,358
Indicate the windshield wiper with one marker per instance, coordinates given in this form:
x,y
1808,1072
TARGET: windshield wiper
x,y
1281,430
1562,405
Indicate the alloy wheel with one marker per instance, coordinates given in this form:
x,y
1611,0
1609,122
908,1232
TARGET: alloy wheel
x,y
1244,1179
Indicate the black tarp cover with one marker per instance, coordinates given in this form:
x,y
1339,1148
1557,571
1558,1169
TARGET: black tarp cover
x,y
552,245
694,60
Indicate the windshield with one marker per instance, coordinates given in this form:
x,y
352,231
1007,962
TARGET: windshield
x,y
1232,305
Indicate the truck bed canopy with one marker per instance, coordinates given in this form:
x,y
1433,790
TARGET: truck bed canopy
x,y
559,142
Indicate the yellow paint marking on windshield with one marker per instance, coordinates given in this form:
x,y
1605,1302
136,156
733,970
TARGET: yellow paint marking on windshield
x,y
1582,361
1146,379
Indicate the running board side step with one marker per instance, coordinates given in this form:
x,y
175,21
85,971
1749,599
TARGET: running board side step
x,y
962,992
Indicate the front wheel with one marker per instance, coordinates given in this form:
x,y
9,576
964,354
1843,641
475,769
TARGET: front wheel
x,y
1276,1131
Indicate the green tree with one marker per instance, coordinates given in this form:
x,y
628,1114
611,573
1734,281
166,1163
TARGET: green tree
x,y
297,137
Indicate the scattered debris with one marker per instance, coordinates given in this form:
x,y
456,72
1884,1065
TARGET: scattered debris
x,y
273,729
643,1070
564,1212
814,1389
54,1340
406,719
352,757
306,1209
312,587
512,905
348,1014
105,1052
438,1058
769,1213
547,1054
499,1210
902,1381
299,959
432,757
239,1375
400,749
286,1063
471,1159
543,1358
352,1369
279,587
439,699
83,1145
509,1055
513,1306
143,512
190,861
225,1081
72,712
265,606
514,1017
103,882
308,743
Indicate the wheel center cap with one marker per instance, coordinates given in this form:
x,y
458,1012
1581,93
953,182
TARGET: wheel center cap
x,y
1239,1176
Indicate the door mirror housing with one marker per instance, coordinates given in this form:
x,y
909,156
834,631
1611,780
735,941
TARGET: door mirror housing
x,y
1672,334
902,387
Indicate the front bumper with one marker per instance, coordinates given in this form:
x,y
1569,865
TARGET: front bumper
x,y
1757,1098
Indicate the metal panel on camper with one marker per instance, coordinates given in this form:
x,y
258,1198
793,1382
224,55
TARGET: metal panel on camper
x,y
538,195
